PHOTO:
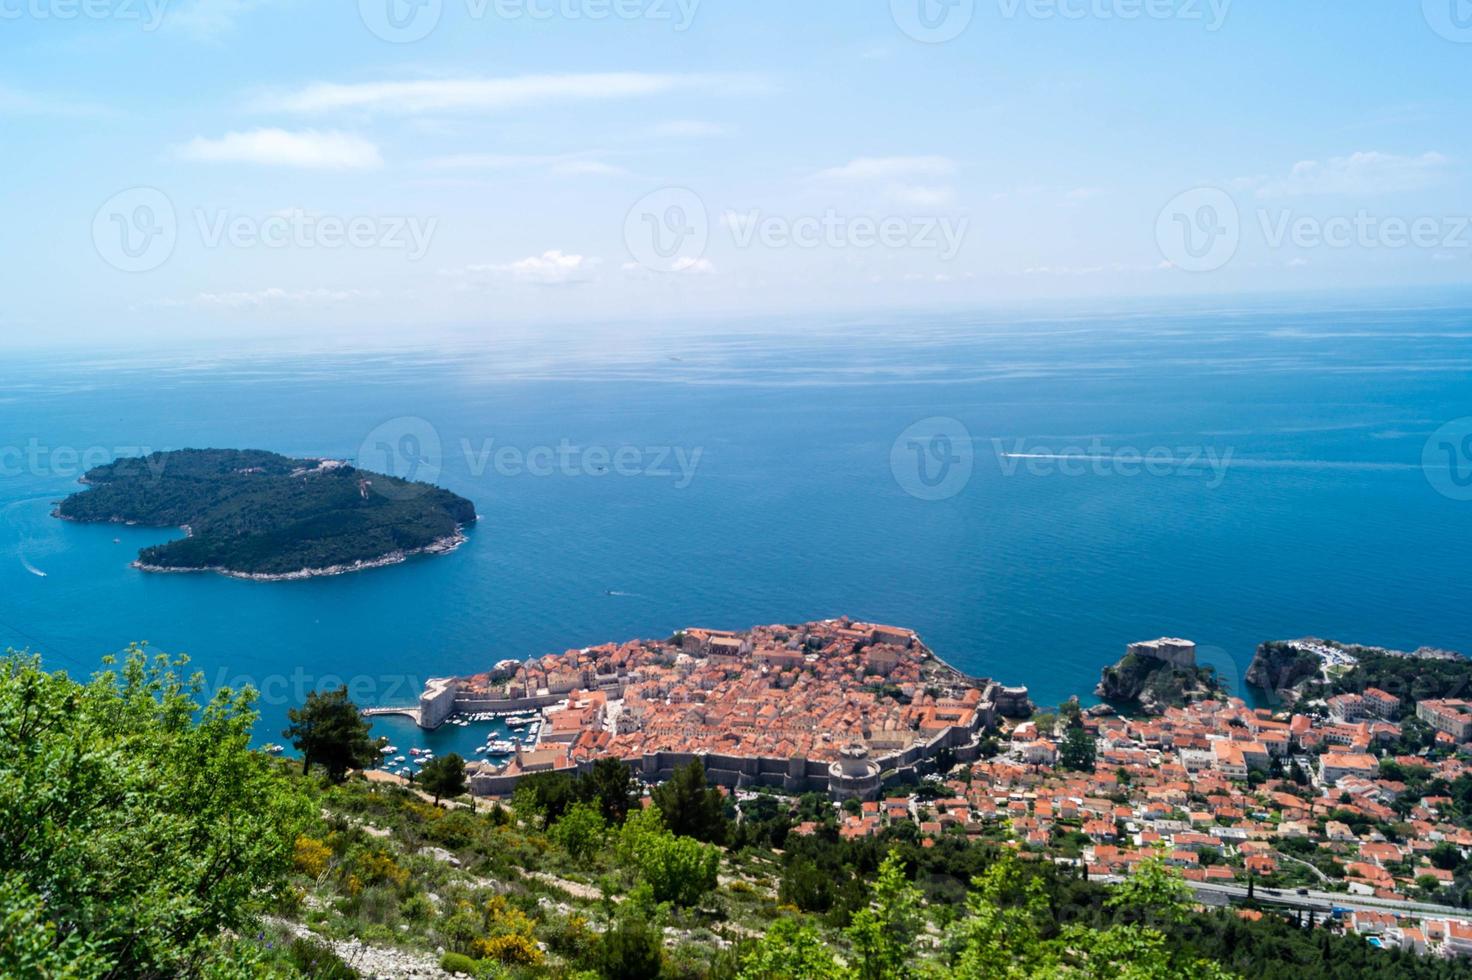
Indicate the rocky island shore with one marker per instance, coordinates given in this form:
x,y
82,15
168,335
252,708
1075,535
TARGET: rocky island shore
x,y
1156,675
260,516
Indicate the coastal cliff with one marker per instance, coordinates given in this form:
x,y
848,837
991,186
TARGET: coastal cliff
x,y
1310,668
1156,675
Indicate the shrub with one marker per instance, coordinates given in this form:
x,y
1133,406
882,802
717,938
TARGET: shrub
x,y
318,962
511,949
458,963
311,856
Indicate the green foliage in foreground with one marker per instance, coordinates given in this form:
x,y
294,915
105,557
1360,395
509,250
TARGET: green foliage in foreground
x,y
140,838
135,824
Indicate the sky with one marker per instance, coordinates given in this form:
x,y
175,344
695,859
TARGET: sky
x,y
193,167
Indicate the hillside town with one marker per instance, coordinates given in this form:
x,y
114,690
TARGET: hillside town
x,y
1309,801
834,706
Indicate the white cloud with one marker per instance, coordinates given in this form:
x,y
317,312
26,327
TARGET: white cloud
x,y
916,196
277,147
16,102
694,128
208,19
553,267
890,168
491,94
560,164
689,265
1357,174
694,266
275,296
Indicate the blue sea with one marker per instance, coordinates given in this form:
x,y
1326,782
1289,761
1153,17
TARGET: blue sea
x,y
1030,493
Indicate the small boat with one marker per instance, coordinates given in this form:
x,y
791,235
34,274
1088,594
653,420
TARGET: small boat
x,y
399,758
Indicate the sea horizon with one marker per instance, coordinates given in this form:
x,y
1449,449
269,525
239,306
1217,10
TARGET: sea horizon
x,y
1126,478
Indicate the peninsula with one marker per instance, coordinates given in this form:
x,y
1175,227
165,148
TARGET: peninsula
x,y
835,706
259,515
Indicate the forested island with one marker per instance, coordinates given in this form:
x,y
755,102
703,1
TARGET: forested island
x,y
260,515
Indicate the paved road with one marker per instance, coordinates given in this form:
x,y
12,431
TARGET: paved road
x,y
1315,900
1325,901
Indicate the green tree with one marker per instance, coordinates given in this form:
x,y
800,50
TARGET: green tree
x,y
632,950
611,784
544,795
1078,751
139,815
807,886
677,869
443,776
580,831
30,945
1446,856
790,951
884,933
330,731
681,870
691,807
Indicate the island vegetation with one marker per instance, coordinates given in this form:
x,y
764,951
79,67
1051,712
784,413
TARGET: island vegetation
x,y
141,837
258,514
1312,670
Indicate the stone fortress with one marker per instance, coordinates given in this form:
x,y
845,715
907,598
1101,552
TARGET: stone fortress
x,y
835,706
